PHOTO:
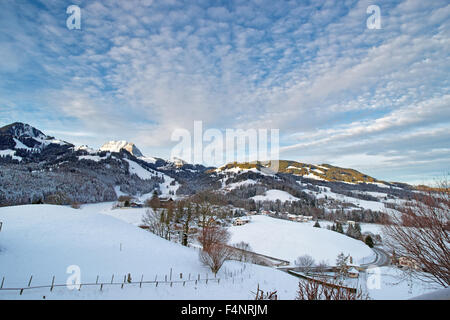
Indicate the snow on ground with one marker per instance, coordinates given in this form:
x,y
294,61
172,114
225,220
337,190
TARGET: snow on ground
x,y
138,170
313,176
287,240
365,204
43,240
12,153
148,159
20,145
248,182
93,158
169,187
273,195
393,285
129,215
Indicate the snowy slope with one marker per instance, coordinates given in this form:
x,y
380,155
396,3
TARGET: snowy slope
x,y
274,195
287,240
43,240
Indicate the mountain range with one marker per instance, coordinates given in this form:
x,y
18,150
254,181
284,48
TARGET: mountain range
x,y
40,168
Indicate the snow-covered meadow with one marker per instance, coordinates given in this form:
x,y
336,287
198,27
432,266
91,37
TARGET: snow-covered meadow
x,y
44,240
288,240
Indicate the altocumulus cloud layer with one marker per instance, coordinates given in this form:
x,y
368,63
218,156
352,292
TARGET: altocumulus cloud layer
x,y
340,93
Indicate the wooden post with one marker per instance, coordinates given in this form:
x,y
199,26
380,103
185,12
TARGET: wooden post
x,y
101,287
53,283
29,282
96,281
140,284
21,291
3,281
112,279
181,275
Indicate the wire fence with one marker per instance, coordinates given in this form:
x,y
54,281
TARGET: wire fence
x,y
235,276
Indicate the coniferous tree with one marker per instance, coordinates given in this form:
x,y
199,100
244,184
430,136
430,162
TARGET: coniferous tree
x,y
369,241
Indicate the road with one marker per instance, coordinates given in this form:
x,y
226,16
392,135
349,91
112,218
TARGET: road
x,y
382,258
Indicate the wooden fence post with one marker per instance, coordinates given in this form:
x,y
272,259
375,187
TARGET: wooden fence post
x,y
29,282
140,284
96,281
53,283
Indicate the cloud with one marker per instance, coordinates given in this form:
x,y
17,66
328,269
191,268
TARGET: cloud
x,y
140,69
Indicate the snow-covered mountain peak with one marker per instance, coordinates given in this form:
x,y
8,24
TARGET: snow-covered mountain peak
x,y
19,130
22,136
116,146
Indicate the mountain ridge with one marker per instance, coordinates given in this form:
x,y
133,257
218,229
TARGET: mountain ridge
x,y
38,168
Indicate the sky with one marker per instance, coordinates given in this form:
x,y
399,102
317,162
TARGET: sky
x,y
376,100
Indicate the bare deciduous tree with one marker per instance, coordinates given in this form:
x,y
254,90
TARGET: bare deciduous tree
x,y
215,256
306,262
215,250
420,234
212,234
243,252
153,221
333,290
261,295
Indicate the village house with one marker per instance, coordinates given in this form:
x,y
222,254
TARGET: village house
x,y
353,272
166,202
240,221
408,263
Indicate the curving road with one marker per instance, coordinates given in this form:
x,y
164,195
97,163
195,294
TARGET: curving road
x,y
382,258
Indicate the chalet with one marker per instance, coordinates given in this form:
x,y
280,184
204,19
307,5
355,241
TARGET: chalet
x,y
301,218
240,221
166,202
408,263
353,272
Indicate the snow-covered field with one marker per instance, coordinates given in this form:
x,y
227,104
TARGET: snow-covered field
x,y
44,240
288,240
274,195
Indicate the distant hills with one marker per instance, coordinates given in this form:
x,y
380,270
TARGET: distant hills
x,y
41,168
